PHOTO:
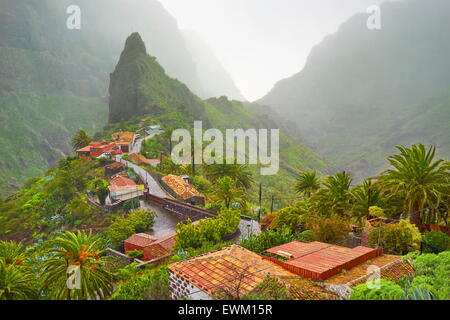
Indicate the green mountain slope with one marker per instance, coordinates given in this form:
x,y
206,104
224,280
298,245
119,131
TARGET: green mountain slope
x,y
362,92
54,80
140,87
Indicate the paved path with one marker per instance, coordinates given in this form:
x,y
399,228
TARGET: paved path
x,y
153,186
165,222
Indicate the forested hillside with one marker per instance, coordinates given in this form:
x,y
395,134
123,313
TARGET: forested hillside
x,y
139,87
54,80
364,91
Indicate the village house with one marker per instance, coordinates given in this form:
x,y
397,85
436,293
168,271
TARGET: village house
x,y
124,140
97,149
310,271
122,189
114,168
231,271
152,247
325,263
183,190
138,241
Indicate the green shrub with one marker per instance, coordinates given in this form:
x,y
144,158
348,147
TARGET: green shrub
x,y
139,220
262,242
433,273
438,240
131,204
207,230
137,254
399,238
387,290
307,236
151,286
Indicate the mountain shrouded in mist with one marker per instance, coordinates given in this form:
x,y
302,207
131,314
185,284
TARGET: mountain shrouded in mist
x,y
140,87
362,92
54,81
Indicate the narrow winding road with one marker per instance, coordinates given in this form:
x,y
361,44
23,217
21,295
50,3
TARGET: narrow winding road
x,y
165,222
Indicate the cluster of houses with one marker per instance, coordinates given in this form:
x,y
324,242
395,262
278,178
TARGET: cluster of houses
x,y
310,271
123,143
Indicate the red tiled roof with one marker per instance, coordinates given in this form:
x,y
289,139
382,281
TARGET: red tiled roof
x,y
141,239
85,149
319,260
220,271
122,182
181,187
125,137
160,248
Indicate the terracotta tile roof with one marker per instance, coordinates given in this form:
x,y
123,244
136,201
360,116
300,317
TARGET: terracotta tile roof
x,y
123,136
122,182
306,289
140,159
161,247
223,270
85,149
319,260
116,165
181,187
392,268
141,239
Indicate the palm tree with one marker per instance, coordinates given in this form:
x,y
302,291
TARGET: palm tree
x,y
307,184
238,172
81,139
418,178
365,196
78,250
335,196
16,282
12,252
226,191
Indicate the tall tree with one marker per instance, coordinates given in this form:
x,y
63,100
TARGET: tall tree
x,y
226,192
17,280
81,139
78,250
238,172
335,196
307,184
419,179
366,195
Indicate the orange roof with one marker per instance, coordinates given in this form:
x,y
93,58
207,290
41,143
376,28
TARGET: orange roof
x,y
181,187
222,270
122,182
123,136
319,260
116,165
85,149
141,239
140,159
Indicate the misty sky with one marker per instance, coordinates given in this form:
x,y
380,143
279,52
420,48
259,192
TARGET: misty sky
x,y
262,41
